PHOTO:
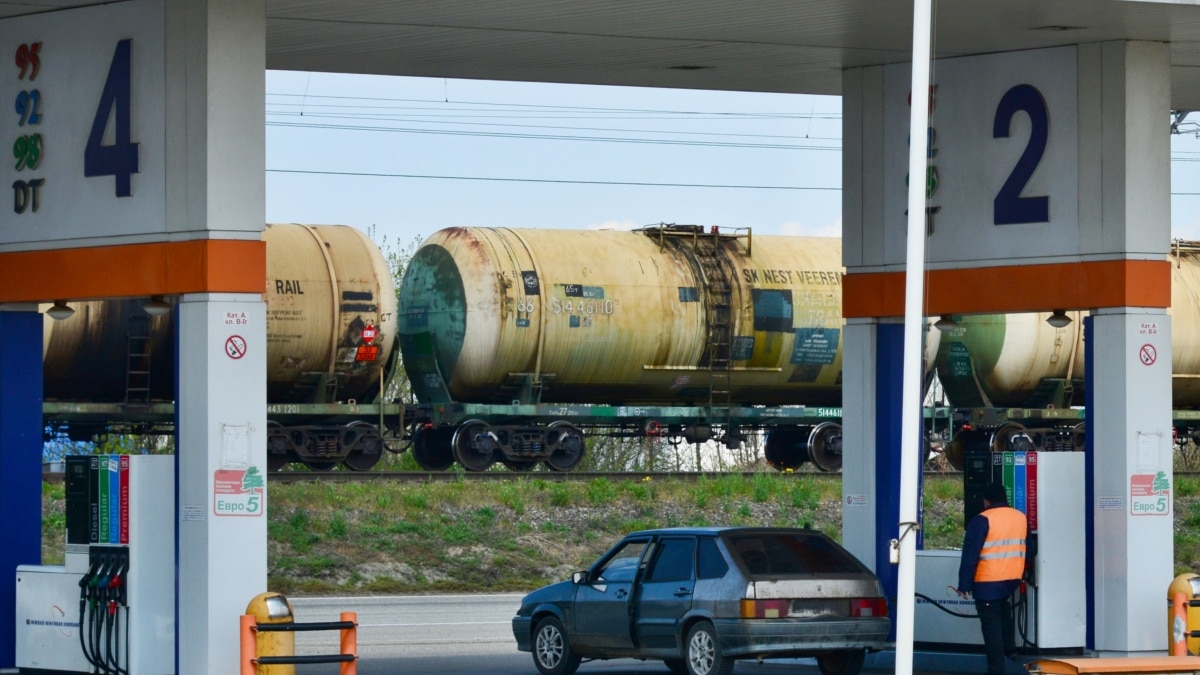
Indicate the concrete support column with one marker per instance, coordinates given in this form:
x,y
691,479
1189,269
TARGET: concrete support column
x,y
871,389
20,458
858,439
1129,463
217,48
221,464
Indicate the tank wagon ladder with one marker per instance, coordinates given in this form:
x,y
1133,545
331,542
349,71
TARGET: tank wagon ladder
x,y
714,269
718,298
137,364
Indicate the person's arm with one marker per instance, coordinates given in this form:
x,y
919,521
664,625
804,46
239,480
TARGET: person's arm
x,y
973,540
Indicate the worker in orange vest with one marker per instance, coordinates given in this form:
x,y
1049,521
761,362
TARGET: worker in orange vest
x,y
993,561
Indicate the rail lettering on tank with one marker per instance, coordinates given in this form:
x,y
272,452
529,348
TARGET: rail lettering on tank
x,y
753,275
282,408
288,287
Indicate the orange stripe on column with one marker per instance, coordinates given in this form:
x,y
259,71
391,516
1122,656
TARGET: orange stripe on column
x,y
132,270
1015,288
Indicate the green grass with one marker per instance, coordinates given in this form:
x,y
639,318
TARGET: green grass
x,y
518,534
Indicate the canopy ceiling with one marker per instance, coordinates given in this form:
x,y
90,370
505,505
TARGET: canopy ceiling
x,y
751,45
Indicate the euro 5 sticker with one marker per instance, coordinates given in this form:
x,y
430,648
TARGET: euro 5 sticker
x,y
1150,494
239,492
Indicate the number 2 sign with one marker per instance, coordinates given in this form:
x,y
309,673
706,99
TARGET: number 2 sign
x,y
1007,159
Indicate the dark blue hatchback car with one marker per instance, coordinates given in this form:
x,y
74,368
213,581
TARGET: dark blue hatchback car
x,y
700,598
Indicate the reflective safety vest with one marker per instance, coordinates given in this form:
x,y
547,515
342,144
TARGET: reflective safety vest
x,y
1003,554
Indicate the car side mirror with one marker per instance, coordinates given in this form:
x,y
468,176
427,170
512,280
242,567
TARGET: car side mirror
x,y
579,577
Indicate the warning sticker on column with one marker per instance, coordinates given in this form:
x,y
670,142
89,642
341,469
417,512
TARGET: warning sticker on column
x,y
238,492
1150,494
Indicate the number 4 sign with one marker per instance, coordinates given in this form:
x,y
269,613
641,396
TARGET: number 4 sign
x,y
121,158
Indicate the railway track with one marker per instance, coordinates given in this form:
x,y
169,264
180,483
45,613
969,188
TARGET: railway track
x,y
569,476
557,476
577,476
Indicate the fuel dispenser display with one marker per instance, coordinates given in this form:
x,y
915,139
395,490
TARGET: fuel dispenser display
x,y
110,609
1050,610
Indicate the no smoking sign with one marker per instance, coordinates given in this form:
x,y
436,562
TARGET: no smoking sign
x,y
235,347
1148,354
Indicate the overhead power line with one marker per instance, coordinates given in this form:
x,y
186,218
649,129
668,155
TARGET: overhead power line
x,y
365,174
554,137
560,108
500,179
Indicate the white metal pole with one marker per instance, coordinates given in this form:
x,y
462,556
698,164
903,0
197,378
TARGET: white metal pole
x,y
914,322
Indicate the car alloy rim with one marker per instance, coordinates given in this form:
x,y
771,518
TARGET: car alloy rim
x,y
701,651
549,647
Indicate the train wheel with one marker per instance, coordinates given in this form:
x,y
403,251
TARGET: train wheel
x,y
431,448
825,446
1011,436
784,449
519,464
1079,436
279,450
570,446
474,447
365,446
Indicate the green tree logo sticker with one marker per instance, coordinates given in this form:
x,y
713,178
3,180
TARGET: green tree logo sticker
x,y
1161,484
252,479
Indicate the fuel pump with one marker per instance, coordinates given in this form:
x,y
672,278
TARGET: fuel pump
x,y
110,609
1050,607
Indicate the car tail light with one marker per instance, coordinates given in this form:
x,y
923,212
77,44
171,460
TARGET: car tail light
x,y
765,609
868,607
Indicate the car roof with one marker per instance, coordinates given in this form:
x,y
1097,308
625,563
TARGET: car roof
x,y
715,530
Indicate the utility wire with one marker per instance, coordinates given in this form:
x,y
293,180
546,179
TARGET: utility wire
x,y
421,119
364,174
566,108
368,174
553,137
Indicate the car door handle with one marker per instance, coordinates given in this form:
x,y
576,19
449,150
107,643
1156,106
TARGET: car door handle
x,y
621,593
683,592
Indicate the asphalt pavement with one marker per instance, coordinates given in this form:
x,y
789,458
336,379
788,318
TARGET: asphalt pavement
x,y
472,635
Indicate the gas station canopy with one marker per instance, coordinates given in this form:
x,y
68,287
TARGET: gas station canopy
x,y
764,45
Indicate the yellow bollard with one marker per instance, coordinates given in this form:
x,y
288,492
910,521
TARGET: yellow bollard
x,y
1182,618
272,607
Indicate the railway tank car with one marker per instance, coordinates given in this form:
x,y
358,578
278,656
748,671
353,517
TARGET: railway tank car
x,y
663,318
325,285
1022,361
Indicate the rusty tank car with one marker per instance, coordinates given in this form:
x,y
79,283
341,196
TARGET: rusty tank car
x,y
325,285
697,332
1021,361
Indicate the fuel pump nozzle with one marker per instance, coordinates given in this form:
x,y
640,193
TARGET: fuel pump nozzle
x,y
117,601
87,585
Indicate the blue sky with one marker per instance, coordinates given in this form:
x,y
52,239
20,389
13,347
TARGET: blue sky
x,y
623,153
413,155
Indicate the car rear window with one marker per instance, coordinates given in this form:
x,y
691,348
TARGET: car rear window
x,y
711,565
784,553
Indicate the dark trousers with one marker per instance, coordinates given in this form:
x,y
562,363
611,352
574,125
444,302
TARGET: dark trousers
x,y
996,621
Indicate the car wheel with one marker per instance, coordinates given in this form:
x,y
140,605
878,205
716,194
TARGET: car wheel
x,y
552,653
703,656
677,666
848,662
